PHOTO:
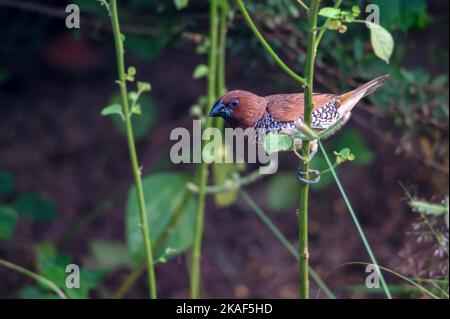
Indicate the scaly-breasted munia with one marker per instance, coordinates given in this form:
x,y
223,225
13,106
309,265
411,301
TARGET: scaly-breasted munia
x,y
274,112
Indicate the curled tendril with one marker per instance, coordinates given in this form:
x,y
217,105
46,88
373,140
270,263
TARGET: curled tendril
x,y
313,174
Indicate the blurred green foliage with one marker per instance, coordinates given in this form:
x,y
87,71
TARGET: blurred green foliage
x,y
28,205
52,266
141,124
171,213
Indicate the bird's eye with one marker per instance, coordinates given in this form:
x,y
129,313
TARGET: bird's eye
x,y
234,102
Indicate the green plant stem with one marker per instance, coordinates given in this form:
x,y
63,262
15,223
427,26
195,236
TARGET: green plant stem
x,y
223,30
303,250
132,148
35,276
323,30
203,170
279,235
221,59
266,45
302,4
355,220
140,268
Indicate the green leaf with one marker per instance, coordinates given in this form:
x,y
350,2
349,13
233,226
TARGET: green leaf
x,y
428,208
221,173
133,96
330,12
180,4
344,155
356,11
350,138
144,86
334,24
35,207
6,183
131,73
277,143
282,191
171,215
200,71
8,222
110,255
141,124
382,42
136,109
52,266
113,109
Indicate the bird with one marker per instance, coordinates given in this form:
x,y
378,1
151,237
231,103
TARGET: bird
x,y
280,112
272,113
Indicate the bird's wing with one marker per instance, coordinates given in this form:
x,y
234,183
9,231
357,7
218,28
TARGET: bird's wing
x,y
290,107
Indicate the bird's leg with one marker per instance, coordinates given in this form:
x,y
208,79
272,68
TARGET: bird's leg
x,y
311,176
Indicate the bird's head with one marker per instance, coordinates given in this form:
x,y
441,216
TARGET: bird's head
x,y
240,108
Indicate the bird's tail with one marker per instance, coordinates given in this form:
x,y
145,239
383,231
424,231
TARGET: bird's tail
x,y
350,99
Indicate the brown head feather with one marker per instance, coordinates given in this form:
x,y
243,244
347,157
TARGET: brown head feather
x,y
250,109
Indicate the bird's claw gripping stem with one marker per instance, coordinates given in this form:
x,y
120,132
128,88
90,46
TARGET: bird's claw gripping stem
x,y
313,176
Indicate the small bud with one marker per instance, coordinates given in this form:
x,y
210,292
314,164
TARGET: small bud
x,y
342,29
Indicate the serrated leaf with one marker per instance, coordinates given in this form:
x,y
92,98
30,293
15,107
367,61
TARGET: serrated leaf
x,y
330,12
277,143
382,42
200,71
113,109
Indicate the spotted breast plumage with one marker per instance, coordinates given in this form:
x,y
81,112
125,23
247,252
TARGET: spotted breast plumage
x,y
276,112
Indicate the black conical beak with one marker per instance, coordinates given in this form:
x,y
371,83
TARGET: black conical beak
x,y
219,109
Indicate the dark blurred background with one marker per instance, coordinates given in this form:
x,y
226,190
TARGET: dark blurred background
x,y
64,169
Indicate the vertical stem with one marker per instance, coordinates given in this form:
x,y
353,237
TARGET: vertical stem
x,y
221,59
303,265
118,38
203,174
266,45
355,220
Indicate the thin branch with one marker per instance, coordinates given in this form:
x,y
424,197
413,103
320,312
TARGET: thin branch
x,y
356,221
35,276
132,149
301,3
266,45
322,31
